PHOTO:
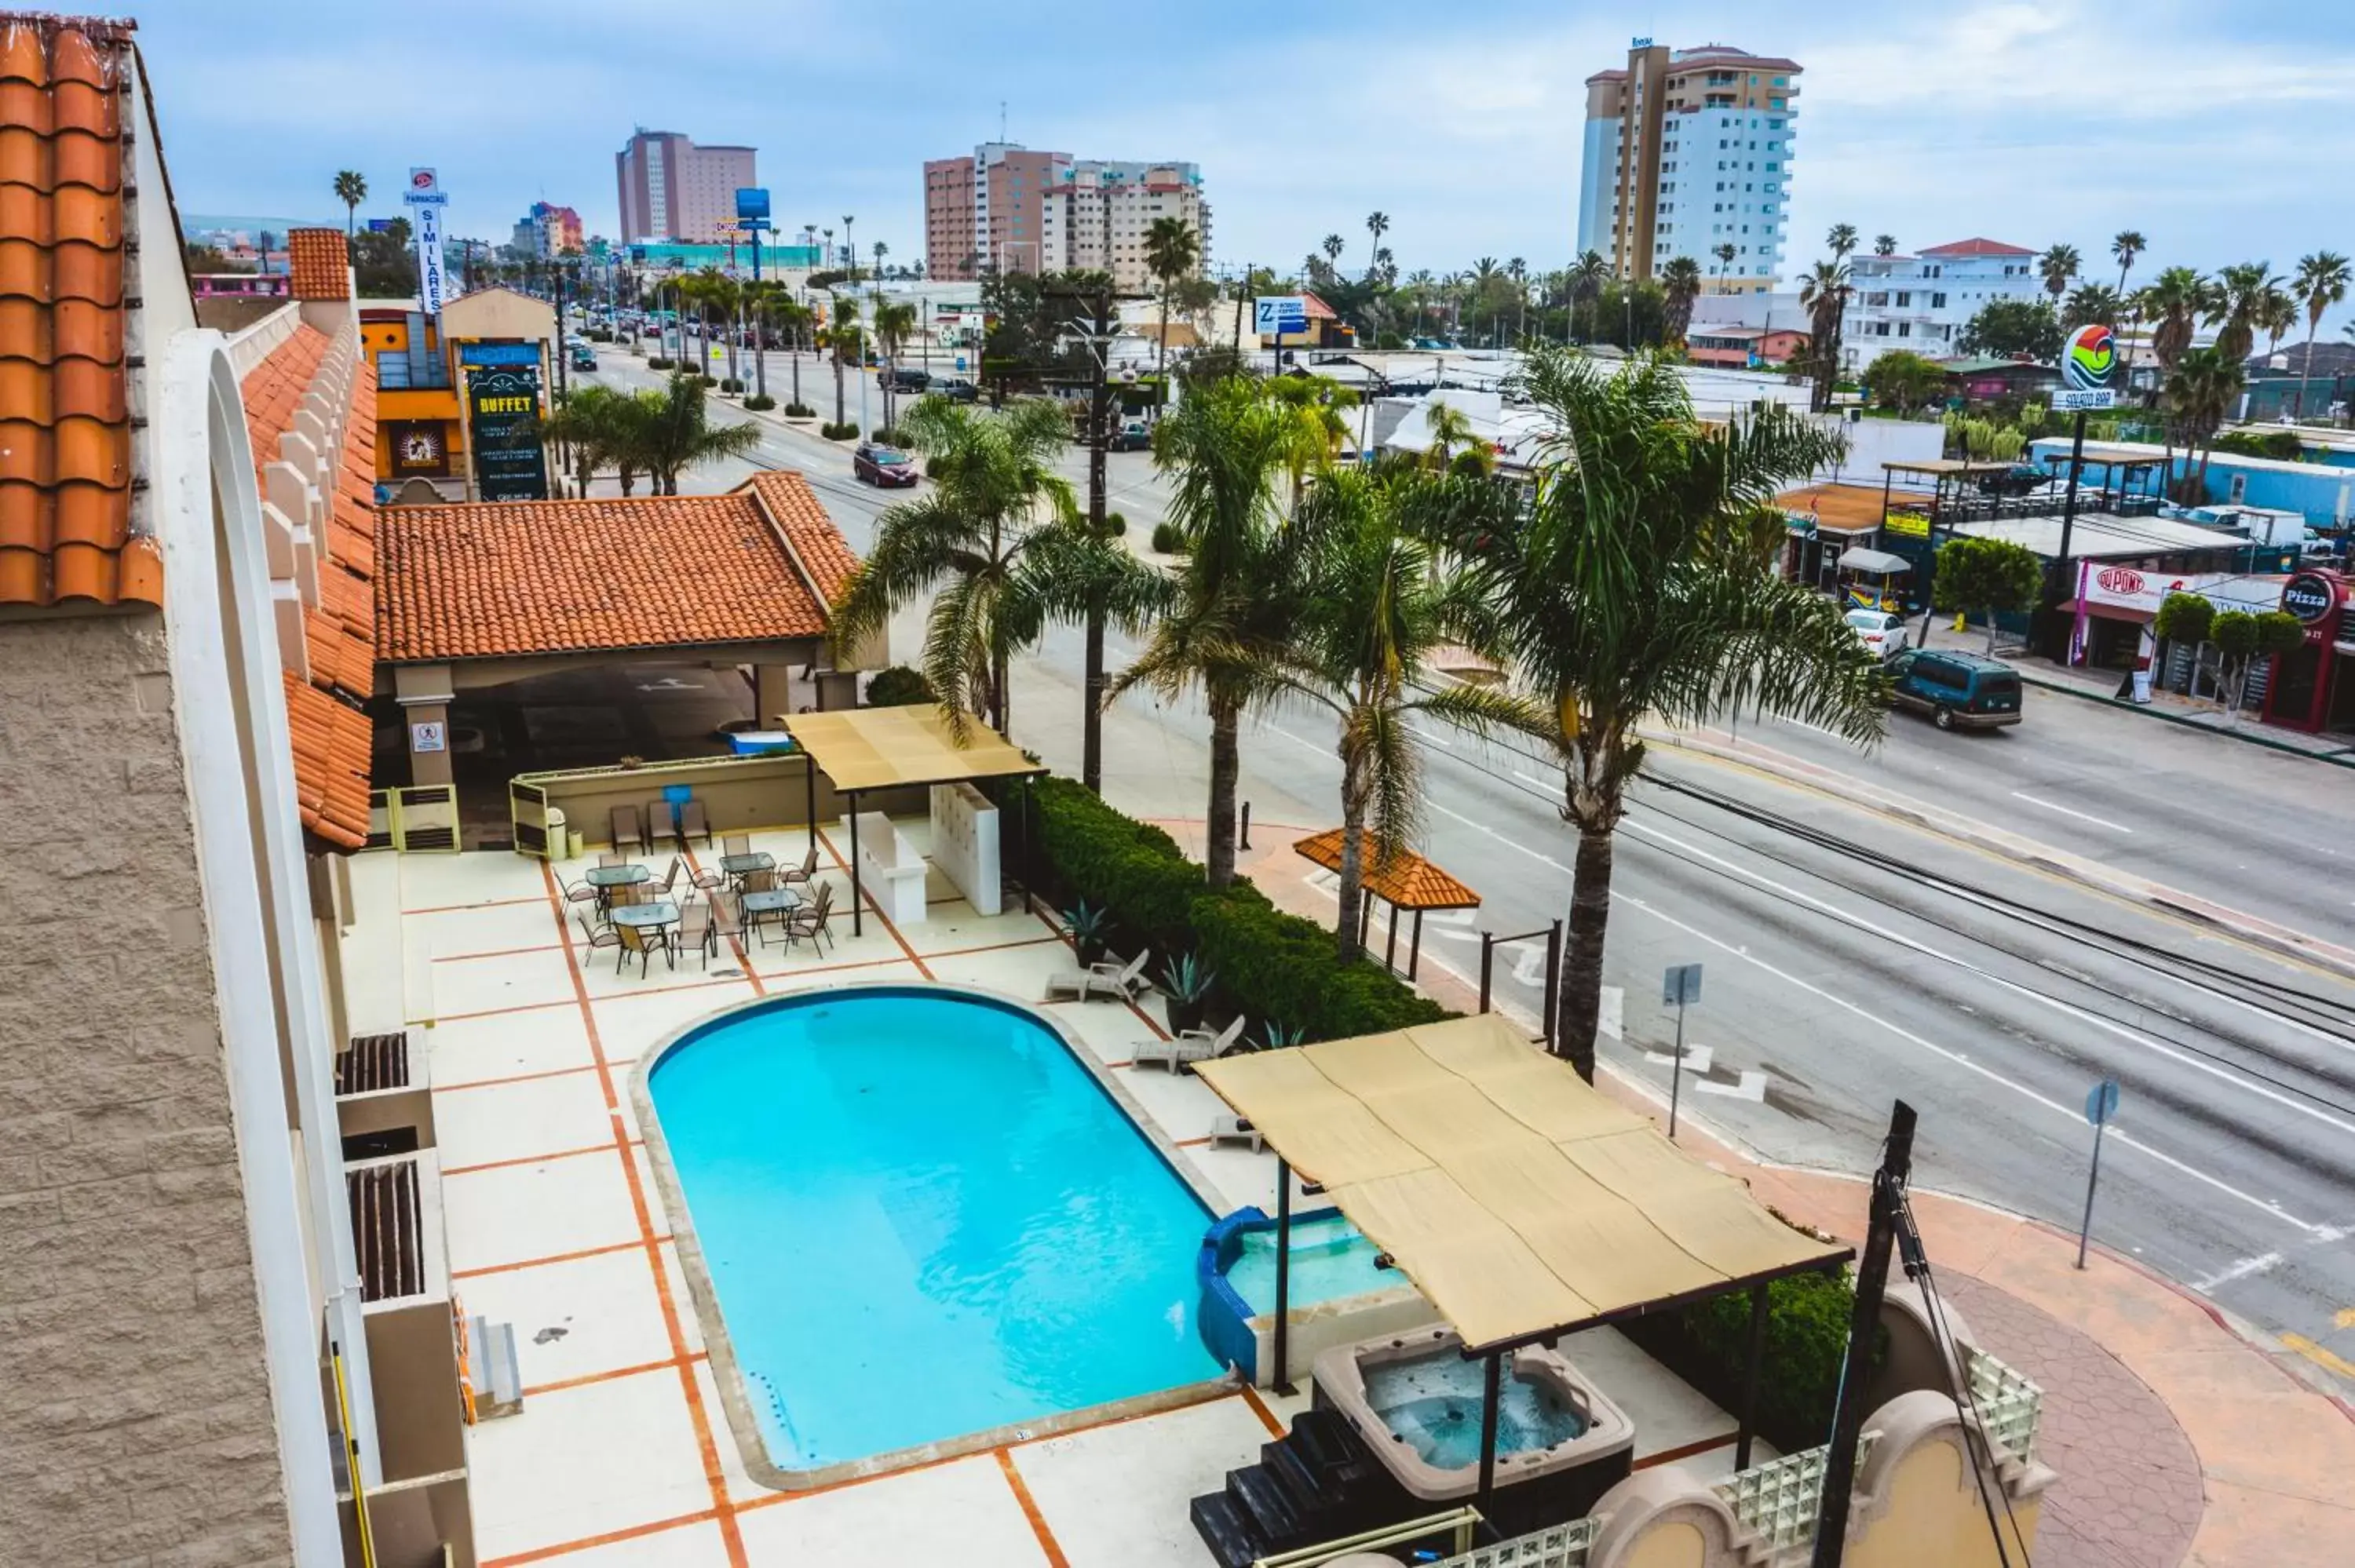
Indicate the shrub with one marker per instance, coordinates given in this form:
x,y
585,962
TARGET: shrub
x,y
731,384
706,382
1167,540
760,401
841,432
899,687
1115,525
657,361
1708,1343
800,411
887,436
2285,445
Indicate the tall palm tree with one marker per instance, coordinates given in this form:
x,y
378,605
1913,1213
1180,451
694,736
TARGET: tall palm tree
x,y
1842,240
2176,301
351,189
1222,448
1173,250
796,319
1681,279
1724,254
1518,269
2090,303
2198,395
2240,304
963,544
1611,609
678,433
764,298
881,250
2321,282
1333,245
844,343
894,324
1586,280
2058,265
2277,314
1824,293
1378,224
1884,245
2127,245
1078,569
1450,428
1374,605
849,246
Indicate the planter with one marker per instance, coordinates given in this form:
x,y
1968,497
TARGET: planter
x,y
1091,951
1185,1015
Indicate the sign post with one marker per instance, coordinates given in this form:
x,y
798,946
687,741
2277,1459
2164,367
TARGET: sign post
x,y
1278,315
425,199
1679,986
2086,365
2101,1105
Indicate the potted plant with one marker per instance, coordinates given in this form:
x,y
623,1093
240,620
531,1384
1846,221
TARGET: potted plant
x,y
1187,984
1087,926
1274,1036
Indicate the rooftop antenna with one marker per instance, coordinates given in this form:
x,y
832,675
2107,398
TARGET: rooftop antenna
x,y
1001,120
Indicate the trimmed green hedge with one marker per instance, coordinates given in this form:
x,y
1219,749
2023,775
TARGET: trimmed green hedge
x,y
1270,964
1806,1336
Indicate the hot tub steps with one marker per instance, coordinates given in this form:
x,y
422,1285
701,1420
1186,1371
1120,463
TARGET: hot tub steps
x,y
1313,1484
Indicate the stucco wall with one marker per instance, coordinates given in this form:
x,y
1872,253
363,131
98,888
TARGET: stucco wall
x,y
135,1419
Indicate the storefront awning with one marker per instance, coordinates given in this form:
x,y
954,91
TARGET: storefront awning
x,y
1877,563
1521,1202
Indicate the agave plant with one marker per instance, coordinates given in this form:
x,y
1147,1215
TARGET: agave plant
x,y
1088,926
1274,1036
1187,984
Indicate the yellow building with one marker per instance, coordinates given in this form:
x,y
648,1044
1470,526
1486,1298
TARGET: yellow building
x,y
421,368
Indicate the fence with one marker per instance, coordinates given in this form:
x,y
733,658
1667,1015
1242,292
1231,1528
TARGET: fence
x,y
423,818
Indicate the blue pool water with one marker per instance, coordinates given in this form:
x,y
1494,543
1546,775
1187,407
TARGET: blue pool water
x,y
1434,1406
923,1219
1329,1260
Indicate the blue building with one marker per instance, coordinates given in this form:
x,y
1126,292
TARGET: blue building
x,y
2323,495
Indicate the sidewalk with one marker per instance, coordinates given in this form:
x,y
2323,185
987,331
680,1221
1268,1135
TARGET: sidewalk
x,y
2102,686
2177,1439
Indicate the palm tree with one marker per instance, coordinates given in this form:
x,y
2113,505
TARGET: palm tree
x,y
844,342
1333,245
1824,294
765,298
881,250
1312,407
2197,397
1586,280
1377,223
1517,270
1078,569
1724,254
2176,301
2241,303
1612,608
2059,265
1842,240
1884,245
963,544
2127,245
600,427
1172,251
1222,446
795,319
1374,607
1681,278
677,434
351,189
2277,314
2321,282
894,325
2090,303
1450,428
849,246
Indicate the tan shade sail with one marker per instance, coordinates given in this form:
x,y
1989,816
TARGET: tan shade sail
x,y
1518,1200
873,749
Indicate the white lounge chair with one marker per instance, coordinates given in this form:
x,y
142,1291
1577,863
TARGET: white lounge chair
x,y
1192,1045
1228,1128
1110,977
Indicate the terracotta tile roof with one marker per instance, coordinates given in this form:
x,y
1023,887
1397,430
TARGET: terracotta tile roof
x,y
65,428
824,555
1409,880
494,579
319,263
1977,248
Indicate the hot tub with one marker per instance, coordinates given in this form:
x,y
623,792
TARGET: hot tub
x,y
1339,1293
1416,1403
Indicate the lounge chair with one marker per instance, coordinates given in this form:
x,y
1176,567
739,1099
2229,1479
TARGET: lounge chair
x,y
576,892
692,824
1121,982
1228,1128
627,834
663,889
805,872
1187,1047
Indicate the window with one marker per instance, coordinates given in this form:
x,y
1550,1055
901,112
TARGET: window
x,y
1937,301
1905,329
1904,299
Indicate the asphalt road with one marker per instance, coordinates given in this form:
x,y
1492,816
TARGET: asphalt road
x,y
1852,958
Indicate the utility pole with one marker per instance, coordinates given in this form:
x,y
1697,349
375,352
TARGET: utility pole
x,y
1097,333
1863,1332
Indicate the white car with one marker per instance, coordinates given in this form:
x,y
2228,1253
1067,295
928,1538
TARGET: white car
x,y
1882,631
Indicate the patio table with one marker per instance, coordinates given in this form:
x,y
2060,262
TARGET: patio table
x,y
605,878
739,864
651,918
778,902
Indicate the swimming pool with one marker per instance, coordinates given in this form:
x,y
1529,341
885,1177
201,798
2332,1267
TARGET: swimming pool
x,y
923,1220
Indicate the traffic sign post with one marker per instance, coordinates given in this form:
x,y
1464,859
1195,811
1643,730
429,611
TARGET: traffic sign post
x,y
1679,986
2101,1105
1277,314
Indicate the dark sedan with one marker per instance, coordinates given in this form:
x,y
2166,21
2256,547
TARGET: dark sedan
x,y
882,465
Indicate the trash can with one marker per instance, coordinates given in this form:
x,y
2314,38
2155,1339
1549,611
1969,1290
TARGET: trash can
x,y
558,840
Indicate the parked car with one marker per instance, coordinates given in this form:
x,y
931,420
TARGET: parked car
x,y
882,465
900,378
1134,436
956,388
1961,690
1880,630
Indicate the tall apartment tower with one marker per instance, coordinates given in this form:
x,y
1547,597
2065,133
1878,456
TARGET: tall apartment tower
x,y
671,188
1687,150
1097,215
988,210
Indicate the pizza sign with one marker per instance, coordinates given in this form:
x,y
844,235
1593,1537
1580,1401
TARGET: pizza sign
x,y
2309,595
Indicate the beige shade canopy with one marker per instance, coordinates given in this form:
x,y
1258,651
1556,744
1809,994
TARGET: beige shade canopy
x,y
1521,1202
874,748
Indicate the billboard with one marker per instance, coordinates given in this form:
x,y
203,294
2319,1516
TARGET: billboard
x,y
503,428
1277,314
753,204
432,280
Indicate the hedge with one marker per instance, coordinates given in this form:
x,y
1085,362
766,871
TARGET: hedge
x,y
1708,1343
1270,965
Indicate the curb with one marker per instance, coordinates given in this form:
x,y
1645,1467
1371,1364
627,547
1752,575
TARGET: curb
x,y
2279,940
2045,683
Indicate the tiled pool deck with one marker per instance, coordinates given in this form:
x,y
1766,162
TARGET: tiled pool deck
x,y
555,1225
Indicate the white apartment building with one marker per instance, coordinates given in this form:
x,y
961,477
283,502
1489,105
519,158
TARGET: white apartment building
x,y
1097,213
1923,301
1686,151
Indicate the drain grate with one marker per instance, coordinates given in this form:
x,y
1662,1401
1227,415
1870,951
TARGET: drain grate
x,y
373,1062
386,1230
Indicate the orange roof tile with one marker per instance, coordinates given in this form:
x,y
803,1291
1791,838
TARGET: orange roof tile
x,y
65,428
1408,881
824,555
319,263
501,578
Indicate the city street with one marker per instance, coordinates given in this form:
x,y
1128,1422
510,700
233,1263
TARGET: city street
x,y
1851,957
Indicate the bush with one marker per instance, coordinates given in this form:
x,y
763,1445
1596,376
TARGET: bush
x,y
834,432
657,361
729,384
887,436
2284,446
899,687
1115,525
800,411
1807,1314
706,382
760,401
1167,540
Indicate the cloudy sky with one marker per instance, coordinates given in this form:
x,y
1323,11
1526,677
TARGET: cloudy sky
x,y
2209,127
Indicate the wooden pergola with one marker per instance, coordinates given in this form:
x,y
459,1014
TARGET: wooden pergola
x,y
1404,880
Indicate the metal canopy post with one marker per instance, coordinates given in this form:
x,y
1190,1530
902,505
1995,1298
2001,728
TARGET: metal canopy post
x,y
1414,949
1027,781
809,780
1872,1280
1749,1371
1282,1275
1389,952
858,889
1492,1381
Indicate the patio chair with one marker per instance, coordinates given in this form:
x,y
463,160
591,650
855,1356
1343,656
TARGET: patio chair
x,y
736,843
598,936
1187,1047
661,827
694,928
814,922
1112,978
805,872
670,880
576,892
1228,1128
691,823
611,857
627,834
725,922
634,941
710,879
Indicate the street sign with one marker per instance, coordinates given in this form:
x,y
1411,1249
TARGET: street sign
x,y
1680,986
2094,400
1278,315
2101,1102
753,204
432,276
424,189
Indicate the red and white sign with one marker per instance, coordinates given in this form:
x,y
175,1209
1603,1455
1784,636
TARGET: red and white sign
x,y
2119,579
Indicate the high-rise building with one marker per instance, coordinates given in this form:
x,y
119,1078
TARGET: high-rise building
x,y
1688,152
672,189
545,230
1014,210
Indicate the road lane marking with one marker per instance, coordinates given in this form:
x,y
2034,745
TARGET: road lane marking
x,y
2327,1360
2344,1318
2067,811
2240,1270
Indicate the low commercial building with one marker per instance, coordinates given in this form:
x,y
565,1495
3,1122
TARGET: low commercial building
x,y
424,428
2323,493
1744,347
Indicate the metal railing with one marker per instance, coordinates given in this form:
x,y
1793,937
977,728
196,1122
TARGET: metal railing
x,y
1459,1522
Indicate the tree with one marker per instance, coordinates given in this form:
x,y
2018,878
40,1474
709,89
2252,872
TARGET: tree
x,y
2321,282
2128,244
1842,241
1680,277
1172,251
2242,639
1989,577
1724,254
894,324
844,342
1600,594
1222,446
1312,407
1884,245
2059,265
2186,619
602,427
1905,381
384,265
677,433
202,259
2199,393
2241,304
2090,303
2175,303
963,544
1824,293
351,189
1377,223
2014,329
1450,429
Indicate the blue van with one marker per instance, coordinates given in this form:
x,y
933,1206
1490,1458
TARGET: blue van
x,y
1957,689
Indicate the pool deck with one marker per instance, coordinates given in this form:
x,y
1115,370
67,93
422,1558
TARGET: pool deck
x,y
555,1224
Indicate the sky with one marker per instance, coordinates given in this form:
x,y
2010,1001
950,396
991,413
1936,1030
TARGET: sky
x,y
2208,127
